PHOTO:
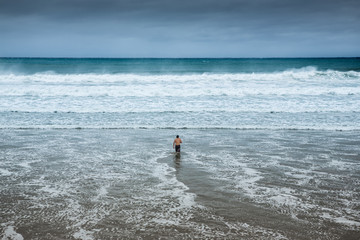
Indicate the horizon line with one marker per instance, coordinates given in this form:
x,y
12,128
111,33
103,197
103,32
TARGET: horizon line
x,y
339,57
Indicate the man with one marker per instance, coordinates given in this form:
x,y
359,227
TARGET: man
x,y
176,143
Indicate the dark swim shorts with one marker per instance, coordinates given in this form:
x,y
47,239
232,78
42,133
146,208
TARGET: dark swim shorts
x,y
177,148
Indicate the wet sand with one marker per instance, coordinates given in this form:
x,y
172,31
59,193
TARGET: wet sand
x,y
225,184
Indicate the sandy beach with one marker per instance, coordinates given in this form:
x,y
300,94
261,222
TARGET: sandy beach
x,y
226,184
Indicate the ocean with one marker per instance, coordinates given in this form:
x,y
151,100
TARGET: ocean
x,y
270,148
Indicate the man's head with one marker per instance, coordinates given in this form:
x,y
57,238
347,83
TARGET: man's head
x,y
177,136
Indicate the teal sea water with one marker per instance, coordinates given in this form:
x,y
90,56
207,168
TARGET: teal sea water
x,y
199,93
270,148
172,65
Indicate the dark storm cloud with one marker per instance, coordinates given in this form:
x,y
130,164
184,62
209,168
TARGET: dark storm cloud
x,y
180,28
237,9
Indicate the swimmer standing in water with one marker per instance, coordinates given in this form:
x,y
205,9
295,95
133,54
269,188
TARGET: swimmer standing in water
x,y
176,143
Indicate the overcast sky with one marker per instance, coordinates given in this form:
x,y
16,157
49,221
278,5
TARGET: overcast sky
x,y
179,28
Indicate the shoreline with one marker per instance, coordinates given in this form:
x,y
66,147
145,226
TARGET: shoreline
x,y
226,184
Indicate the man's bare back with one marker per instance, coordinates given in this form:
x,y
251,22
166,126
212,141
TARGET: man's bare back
x,y
176,143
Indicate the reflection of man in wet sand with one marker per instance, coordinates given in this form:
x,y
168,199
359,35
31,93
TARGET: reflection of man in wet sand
x,y
176,143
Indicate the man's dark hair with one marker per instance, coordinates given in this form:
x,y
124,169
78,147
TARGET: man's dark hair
x,y
177,136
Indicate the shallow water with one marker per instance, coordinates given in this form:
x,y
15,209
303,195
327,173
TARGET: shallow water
x,y
271,148
226,184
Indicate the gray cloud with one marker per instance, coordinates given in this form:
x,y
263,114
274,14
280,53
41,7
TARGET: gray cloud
x,y
165,28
